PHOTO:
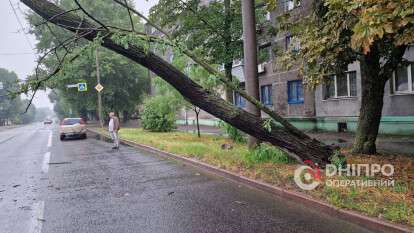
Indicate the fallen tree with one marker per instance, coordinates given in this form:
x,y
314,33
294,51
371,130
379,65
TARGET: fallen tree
x,y
299,145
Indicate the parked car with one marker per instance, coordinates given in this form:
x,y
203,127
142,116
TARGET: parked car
x,y
47,122
73,128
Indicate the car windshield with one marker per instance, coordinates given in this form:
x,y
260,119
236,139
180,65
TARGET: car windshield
x,y
71,121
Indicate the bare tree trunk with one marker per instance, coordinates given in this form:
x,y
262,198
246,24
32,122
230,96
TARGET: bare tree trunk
x,y
125,116
370,112
197,113
228,67
300,146
250,60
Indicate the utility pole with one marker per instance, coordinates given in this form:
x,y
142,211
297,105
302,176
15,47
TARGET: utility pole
x,y
98,80
250,59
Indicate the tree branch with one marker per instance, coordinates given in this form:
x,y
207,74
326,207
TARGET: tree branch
x,y
89,15
130,16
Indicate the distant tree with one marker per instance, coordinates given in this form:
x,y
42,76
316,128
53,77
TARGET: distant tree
x,y
30,115
339,32
9,105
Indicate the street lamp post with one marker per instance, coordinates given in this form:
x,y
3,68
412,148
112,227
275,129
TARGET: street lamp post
x,y
250,59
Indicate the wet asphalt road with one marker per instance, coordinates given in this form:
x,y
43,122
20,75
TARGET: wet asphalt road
x,y
83,186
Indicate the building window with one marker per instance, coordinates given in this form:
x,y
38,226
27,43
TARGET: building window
x,y
268,16
264,53
403,80
295,92
341,85
266,95
288,39
291,42
288,5
239,101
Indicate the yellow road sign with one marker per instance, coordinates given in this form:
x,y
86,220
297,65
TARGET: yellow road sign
x,y
99,87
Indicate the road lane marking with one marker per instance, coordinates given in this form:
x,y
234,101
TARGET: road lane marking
x,y
38,217
49,140
45,164
8,139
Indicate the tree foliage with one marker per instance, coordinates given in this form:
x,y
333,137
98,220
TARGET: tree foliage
x,y
12,107
203,27
159,114
339,32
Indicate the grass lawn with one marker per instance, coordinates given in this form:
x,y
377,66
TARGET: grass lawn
x,y
274,167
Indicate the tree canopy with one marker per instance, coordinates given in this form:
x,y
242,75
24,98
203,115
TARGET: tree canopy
x,y
339,32
12,108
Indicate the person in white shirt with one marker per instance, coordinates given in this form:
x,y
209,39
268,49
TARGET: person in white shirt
x,y
113,129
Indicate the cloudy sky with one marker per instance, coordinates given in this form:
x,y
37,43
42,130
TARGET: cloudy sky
x,y
17,48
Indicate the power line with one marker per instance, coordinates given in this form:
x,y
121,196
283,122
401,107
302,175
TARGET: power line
x,y
21,25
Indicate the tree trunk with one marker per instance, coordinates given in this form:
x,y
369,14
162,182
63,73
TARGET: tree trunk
x,y
125,116
374,76
228,67
300,146
197,112
372,89
228,64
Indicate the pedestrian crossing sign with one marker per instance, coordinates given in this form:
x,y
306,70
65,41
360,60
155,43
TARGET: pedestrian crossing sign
x,y
82,87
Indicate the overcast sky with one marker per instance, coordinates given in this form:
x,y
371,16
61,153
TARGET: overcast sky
x,y
16,48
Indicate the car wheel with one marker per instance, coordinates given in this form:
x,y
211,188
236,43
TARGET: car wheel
x,y
62,137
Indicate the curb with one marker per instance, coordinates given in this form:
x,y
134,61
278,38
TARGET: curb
x,y
374,224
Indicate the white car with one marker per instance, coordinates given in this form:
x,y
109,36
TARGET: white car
x,y
73,128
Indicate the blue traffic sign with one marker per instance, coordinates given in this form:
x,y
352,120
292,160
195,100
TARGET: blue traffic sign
x,y
82,87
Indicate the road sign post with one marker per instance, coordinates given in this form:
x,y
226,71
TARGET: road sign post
x,y
98,80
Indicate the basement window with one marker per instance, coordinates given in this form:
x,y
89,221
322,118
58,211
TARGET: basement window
x,y
342,127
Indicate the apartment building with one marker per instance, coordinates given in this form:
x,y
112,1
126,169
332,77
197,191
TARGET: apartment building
x,y
334,105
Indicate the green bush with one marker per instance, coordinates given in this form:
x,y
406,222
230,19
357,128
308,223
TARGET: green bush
x,y
158,114
233,133
267,153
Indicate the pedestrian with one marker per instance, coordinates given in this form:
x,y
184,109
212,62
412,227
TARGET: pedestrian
x,y
113,129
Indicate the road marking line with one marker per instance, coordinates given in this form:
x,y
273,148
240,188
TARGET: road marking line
x,y
38,217
49,141
45,164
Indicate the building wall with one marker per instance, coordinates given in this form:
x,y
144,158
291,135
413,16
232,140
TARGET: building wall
x,y
397,113
345,106
279,81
